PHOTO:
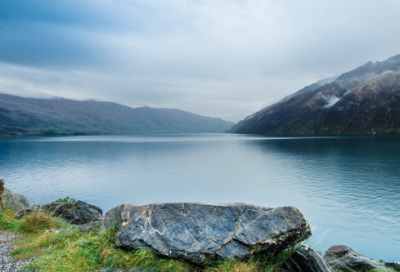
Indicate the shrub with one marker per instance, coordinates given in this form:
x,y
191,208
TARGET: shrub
x,y
66,200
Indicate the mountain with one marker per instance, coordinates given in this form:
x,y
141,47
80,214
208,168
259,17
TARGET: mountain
x,y
363,101
30,116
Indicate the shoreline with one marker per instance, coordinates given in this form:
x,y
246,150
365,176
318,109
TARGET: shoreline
x,y
40,226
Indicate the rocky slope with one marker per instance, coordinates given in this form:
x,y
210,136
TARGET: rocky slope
x,y
363,101
20,115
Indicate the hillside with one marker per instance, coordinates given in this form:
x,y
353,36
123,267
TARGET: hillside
x,y
363,101
30,116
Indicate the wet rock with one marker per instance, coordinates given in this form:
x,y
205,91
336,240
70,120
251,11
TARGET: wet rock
x,y
78,213
13,201
200,232
306,259
344,258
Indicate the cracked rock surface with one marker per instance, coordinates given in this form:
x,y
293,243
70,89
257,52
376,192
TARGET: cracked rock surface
x,y
200,232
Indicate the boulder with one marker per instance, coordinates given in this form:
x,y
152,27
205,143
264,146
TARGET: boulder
x,y
78,213
306,259
200,232
344,258
13,201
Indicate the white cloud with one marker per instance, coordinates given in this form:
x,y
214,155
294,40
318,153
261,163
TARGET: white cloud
x,y
223,59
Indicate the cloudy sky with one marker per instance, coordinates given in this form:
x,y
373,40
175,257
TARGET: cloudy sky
x,y
226,58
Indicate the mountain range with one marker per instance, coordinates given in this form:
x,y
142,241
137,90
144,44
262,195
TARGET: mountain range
x,y
365,100
59,116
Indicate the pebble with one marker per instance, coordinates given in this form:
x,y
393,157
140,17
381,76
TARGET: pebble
x,y
7,263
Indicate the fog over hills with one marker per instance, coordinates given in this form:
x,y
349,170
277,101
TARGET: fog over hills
x,y
363,101
31,116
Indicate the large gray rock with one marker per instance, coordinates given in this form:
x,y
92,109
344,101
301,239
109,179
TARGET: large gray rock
x,y
201,232
13,201
79,213
344,258
306,259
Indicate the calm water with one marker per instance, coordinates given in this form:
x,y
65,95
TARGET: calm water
x,y
347,187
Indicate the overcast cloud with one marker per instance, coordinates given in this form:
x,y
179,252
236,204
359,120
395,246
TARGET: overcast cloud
x,y
223,59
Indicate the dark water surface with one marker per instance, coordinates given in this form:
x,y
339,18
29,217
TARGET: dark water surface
x,y
347,187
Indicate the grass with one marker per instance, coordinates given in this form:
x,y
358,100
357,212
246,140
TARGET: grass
x,y
34,222
77,251
259,262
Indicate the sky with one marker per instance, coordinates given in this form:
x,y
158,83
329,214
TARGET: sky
x,y
226,58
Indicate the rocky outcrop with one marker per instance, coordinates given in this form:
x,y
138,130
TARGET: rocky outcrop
x,y
306,259
200,232
344,258
13,201
78,213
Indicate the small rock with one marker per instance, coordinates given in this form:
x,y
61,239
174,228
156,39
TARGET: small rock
x,y
344,258
306,259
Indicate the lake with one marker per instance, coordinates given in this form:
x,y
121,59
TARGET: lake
x,y
348,187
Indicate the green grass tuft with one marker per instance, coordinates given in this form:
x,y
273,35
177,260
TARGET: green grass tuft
x,y
65,200
259,262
